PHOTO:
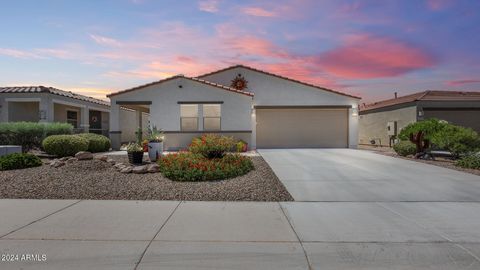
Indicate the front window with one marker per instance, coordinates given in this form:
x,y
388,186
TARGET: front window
x,y
72,118
211,117
189,117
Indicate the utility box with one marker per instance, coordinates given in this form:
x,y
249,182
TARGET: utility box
x,y
392,128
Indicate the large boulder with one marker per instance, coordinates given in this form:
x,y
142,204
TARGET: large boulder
x,y
84,155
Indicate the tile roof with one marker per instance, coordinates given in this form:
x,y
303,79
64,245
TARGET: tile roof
x,y
51,90
278,76
188,78
429,95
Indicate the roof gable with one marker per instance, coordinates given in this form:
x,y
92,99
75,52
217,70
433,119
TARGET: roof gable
x,y
198,80
277,76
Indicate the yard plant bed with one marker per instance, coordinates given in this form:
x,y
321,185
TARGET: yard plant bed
x,y
96,180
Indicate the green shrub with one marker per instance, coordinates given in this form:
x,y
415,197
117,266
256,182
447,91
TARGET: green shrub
x,y
96,142
186,166
442,135
211,145
429,126
64,145
57,129
470,162
30,134
405,148
19,161
458,140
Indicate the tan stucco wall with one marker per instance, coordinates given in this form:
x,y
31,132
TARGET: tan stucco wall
x,y
23,111
374,125
60,113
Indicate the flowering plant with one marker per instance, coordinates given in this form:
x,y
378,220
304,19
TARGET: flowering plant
x,y
187,166
211,145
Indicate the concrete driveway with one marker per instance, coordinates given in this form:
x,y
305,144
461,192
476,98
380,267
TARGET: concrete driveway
x,y
363,176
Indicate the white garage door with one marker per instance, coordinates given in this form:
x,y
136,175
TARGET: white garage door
x,y
302,128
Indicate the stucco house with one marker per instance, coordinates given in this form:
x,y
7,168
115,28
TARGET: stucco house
x,y
381,121
48,104
263,109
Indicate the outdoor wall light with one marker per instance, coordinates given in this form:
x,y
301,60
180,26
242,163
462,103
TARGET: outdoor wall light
x,y
354,111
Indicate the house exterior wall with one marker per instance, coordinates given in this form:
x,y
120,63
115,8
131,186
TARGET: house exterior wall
x,y
467,118
128,131
165,110
23,111
374,125
273,91
60,112
54,106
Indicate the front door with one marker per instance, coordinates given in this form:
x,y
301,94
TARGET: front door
x,y
95,122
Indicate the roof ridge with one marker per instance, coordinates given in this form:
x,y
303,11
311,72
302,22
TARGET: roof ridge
x,y
278,76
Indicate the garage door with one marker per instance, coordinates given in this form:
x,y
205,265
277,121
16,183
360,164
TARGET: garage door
x,y
302,128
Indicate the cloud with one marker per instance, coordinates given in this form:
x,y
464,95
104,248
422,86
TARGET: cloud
x,y
462,82
437,5
258,12
366,56
23,54
105,41
209,5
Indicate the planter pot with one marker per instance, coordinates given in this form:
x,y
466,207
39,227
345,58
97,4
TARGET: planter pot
x,y
155,150
135,157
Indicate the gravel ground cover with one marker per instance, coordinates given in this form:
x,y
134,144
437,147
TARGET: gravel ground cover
x,y
441,162
96,180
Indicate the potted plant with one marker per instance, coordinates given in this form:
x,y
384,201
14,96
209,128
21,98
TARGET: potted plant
x,y
135,153
155,139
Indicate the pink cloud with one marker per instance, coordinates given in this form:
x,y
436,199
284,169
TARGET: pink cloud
x,y
437,5
209,5
23,54
365,56
258,12
462,82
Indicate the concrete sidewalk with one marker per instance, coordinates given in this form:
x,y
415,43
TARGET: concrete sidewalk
x,y
72,234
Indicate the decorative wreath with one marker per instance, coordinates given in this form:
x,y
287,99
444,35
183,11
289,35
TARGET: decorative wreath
x,y
94,119
239,83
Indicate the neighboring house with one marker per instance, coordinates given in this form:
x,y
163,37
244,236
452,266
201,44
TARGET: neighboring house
x,y
263,109
48,104
459,108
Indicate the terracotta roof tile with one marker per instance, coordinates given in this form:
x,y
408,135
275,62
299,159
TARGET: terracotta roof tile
x,y
431,95
51,90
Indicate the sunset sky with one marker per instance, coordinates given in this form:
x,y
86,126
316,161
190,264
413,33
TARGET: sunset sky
x,y
365,48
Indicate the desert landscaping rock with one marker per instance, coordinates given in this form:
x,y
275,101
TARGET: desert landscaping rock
x,y
84,155
101,157
71,160
153,168
126,170
57,163
64,158
140,169
91,179
110,161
